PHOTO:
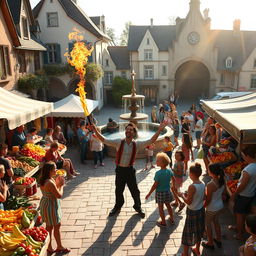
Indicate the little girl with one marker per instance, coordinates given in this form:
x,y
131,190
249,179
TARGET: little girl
x,y
195,215
150,153
178,170
249,249
168,148
96,147
214,205
187,150
162,179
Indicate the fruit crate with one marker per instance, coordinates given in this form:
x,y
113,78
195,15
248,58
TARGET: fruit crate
x,y
44,249
29,190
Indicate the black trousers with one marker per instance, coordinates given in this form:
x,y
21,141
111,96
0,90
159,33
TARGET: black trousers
x,y
126,175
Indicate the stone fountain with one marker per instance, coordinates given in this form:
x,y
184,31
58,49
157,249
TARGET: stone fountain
x,y
135,103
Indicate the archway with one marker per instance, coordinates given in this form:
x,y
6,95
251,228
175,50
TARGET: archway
x,y
192,80
88,88
57,89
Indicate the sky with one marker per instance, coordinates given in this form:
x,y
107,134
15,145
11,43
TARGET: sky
x,y
139,12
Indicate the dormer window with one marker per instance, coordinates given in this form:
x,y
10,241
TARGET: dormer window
x,y
52,19
148,54
148,41
25,27
229,63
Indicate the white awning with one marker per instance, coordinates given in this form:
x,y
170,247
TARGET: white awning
x,y
71,107
19,110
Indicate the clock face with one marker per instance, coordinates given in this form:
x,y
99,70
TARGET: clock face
x,y
193,38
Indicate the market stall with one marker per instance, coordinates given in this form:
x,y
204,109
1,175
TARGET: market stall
x,y
71,107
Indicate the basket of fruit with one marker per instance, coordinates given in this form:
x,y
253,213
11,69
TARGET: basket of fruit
x,y
25,185
60,172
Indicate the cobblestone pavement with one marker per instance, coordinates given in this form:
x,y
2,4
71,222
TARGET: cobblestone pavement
x,y
87,230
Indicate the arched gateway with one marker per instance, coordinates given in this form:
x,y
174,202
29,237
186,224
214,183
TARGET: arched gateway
x,y
90,93
192,80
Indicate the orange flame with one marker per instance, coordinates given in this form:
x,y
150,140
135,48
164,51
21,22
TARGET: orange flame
x,y
78,58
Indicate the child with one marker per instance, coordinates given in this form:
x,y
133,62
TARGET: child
x,y
3,188
96,147
178,170
48,137
214,205
50,208
195,215
162,179
186,148
31,136
168,148
150,152
249,249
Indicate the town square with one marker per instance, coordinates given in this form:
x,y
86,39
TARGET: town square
x,y
127,135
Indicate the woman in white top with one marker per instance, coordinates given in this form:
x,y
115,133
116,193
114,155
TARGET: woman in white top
x,y
48,137
246,189
195,215
214,205
96,147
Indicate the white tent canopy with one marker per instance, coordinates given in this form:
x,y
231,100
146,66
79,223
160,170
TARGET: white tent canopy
x,y
71,107
19,110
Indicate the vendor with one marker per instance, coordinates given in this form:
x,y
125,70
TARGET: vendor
x,y
48,137
7,165
31,136
19,137
58,135
3,187
53,155
111,125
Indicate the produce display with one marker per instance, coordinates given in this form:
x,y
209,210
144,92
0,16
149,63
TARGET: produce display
x,y
61,172
232,185
35,149
18,164
223,157
234,170
20,172
61,146
29,160
20,217
28,152
14,203
18,243
37,233
24,181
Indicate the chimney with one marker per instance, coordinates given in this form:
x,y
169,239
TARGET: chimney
x,y
236,26
151,23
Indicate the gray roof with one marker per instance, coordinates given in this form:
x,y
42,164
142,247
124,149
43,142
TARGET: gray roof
x,y
15,8
238,46
76,14
96,20
120,56
162,35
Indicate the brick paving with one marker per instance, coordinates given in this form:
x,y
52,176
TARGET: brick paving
x,y
87,230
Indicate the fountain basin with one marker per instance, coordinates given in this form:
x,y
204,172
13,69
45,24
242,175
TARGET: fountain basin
x,y
142,136
138,117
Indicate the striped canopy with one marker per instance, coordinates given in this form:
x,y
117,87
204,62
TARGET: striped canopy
x,y
18,110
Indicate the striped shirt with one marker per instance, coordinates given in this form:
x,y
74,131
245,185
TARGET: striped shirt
x,y
127,152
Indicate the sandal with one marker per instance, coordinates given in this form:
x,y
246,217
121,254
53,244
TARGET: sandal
x,y
63,251
160,224
195,252
50,251
181,207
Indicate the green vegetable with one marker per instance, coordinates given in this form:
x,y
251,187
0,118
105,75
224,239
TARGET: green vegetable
x,y
14,203
19,172
20,250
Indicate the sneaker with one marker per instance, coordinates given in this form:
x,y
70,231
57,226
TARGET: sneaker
x,y
114,211
141,213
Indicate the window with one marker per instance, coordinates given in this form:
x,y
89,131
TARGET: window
x,y
52,53
254,63
52,19
37,60
148,54
25,27
222,78
148,41
164,70
109,78
22,62
5,67
229,62
107,63
123,74
148,72
253,82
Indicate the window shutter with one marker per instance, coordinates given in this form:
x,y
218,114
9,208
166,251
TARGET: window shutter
x,y
58,53
70,47
90,59
45,57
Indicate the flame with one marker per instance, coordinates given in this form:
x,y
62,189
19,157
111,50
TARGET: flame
x,y
78,58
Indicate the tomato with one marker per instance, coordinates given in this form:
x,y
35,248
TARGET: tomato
x,y
28,249
22,245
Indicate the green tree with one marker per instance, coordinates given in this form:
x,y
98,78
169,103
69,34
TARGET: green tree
x,y
125,34
111,33
93,72
121,86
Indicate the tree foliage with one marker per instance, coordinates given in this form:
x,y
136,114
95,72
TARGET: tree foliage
x,y
29,82
125,34
121,86
93,72
111,33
